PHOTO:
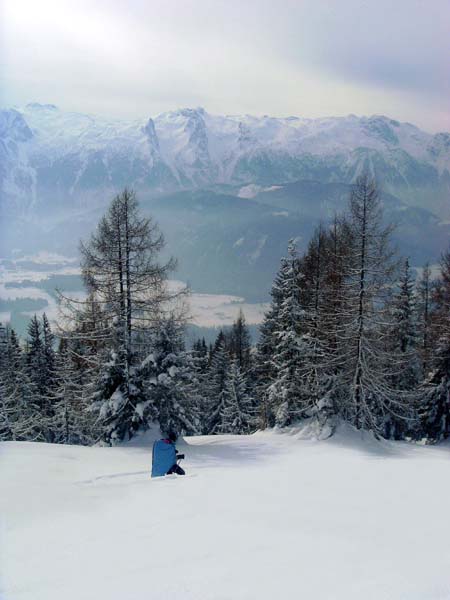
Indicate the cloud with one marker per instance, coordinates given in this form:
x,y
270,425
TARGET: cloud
x,y
315,58
400,45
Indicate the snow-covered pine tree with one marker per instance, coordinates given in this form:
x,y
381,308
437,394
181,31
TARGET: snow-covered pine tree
x,y
240,347
221,340
200,347
200,357
39,375
215,386
3,343
240,342
35,354
264,370
288,397
404,311
201,364
73,421
84,338
338,245
14,353
236,414
319,289
121,399
5,426
19,416
404,332
365,363
436,405
48,348
173,382
403,341
63,424
127,289
6,432
424,309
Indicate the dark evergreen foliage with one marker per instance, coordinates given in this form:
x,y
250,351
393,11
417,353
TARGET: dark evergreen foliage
x,y
349,335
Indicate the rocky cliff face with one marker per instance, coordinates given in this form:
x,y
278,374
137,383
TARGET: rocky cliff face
x,y
51,160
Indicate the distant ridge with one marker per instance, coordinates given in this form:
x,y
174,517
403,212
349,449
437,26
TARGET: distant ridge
x,y
50,159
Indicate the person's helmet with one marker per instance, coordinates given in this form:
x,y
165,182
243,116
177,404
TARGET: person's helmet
x,y
172,436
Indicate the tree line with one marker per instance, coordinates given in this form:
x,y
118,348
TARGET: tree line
x,y
121,363
350,335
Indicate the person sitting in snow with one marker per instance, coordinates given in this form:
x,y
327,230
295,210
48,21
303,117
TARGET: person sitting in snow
x,y
165,456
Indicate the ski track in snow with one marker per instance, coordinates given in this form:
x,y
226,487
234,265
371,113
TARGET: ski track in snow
x,y
257,517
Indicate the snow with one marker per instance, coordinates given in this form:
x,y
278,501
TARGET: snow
x,y
193,144
13,274
258,517
150,358
18,270
253,256
43,257
252,190
249,191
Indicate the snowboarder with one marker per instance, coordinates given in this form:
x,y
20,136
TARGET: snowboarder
x,y
165,457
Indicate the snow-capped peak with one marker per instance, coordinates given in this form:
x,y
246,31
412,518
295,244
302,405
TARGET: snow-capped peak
x,y
70,154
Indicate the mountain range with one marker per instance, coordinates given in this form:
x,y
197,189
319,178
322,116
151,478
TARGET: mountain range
x,y
228,191
52,158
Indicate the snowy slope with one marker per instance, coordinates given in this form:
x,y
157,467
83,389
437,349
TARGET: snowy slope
x,y
259,517
54,158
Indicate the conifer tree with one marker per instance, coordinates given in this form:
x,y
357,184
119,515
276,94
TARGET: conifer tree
x,y
127,297
287,396
406,368
200,356
3,343
74,422
436,408
173,382
425,309
365,362
123,402
236,411
265,368
216,384
39,375
48,341
240,342
6,431
404,332
35,358
20,417
320,292
201,364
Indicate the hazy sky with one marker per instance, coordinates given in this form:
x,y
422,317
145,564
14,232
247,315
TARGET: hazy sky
x,y
136,58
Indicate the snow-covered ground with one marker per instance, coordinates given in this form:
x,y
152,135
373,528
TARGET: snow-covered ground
x,y
258,517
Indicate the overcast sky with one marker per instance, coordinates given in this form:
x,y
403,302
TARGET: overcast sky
x,y
137,58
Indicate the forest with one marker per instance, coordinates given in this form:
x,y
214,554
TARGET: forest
x,y
353,334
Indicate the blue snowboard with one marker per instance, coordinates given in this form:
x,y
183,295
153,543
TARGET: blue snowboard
x,y
163,458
